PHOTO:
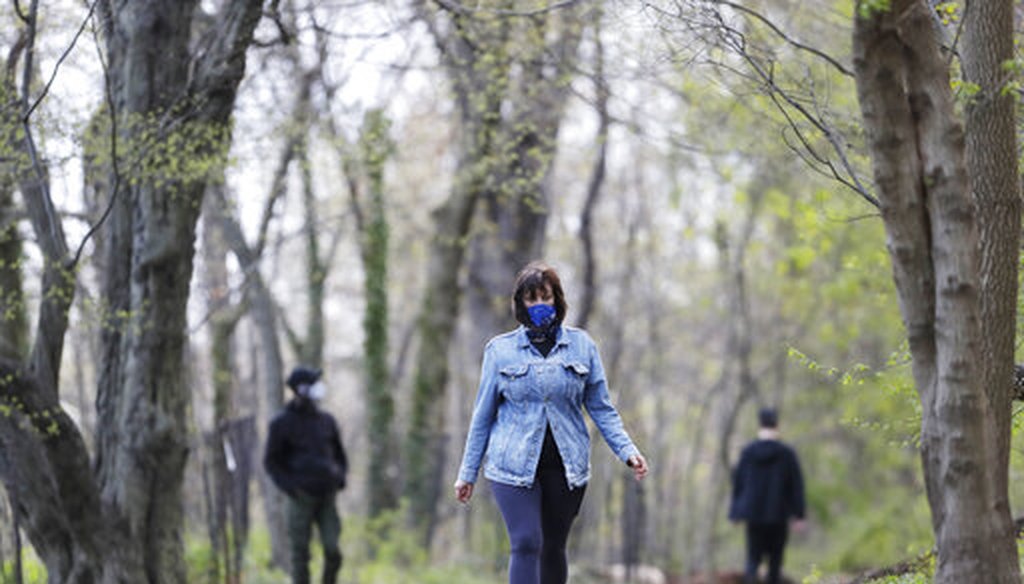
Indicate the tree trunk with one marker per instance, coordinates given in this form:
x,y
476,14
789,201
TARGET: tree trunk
x,y
992,160
142,472
427,439
478,79
224,313
917,150
264,314
43,459
381,484
124,523
224,318
595,186
515,204
309,348
263,311
312,345
736,385
45,467
14,333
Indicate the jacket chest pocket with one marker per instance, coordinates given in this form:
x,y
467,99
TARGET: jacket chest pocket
x,y
515,384
575,376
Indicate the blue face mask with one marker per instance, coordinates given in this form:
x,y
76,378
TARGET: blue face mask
x,y
541,315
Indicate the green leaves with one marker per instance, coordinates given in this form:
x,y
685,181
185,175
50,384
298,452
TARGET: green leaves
x,y
869,8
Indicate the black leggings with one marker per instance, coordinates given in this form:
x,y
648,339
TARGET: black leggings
x,y
538,519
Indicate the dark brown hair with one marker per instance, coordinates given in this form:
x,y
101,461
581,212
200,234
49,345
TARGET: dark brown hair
x,y
529,280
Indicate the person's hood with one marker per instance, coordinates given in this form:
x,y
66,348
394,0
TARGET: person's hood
x,y
766,451
302,405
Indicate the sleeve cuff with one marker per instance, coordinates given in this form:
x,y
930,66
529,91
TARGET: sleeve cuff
x,y
628,452
466,476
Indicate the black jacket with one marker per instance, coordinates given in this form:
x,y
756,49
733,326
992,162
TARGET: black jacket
x,y
767,485
304,450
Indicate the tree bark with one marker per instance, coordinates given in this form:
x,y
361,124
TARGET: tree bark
x,y
595,186
478,80
42,454
14,334
123,523
992,160
541,55
426,439
225,315
45,466
375,149
312,345
917,150
148,51
263,311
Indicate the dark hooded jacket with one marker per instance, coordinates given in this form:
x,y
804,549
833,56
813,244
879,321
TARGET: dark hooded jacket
x,y
768,486
304,450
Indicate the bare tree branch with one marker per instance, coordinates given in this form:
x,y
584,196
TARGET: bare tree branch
x,y
224,46
456,8
63,57
114,164
789,40
735,40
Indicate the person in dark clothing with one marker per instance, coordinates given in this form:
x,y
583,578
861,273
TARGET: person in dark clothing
x,y
306,459
768,490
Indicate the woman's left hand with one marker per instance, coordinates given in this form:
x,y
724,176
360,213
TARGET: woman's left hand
x,y
638,463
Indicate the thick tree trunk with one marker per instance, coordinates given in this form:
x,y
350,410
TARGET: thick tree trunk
x,y
124,523
479,80
148,47
45,467
917,150
142,424
992,159
514,208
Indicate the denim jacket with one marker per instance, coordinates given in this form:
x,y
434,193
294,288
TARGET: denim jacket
x,y
522,392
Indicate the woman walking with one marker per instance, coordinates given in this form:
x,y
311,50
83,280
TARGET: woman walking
x,y
528,421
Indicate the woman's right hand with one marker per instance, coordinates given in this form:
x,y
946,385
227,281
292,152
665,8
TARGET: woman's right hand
x,y
463,491
638,463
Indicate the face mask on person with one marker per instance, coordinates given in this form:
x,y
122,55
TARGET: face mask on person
x,y
541,315
315,392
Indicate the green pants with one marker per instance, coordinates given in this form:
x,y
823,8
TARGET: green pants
x,y
303,512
